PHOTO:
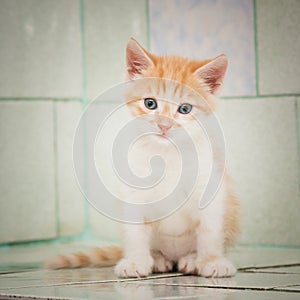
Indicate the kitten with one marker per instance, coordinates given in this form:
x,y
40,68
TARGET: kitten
x,y
167,93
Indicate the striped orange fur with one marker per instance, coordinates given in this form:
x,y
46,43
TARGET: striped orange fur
x,y
97,257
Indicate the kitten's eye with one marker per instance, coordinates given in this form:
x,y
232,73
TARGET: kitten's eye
x,y
185,108
150,103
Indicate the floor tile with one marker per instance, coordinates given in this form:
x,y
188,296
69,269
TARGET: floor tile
x,y
108,27
40,54
278,46
284,270
262,160
136,291
184,31
57,277
118,291
63,292
247,257
27,171
71,201
143,290
102,283
241,280
43,278
292,288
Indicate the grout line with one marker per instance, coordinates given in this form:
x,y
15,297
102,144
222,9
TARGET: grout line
x,y
91,282
270,266
260,246
282,288
256,271
259,97
40,99
148,24
256,48
246,288
229,287
63,239
83,53
298,142
86,229
84,102
55,149
288,285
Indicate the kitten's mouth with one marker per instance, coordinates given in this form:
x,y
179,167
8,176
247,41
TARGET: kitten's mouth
x,y
163,135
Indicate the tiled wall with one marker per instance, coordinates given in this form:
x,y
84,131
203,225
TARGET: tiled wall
x,y
56,55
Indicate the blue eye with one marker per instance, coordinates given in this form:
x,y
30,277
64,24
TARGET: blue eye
x,y
185,108
150,103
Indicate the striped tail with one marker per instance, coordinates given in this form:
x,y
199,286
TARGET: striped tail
x,y
97,257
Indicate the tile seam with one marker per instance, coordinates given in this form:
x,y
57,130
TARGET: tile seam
x,y
86,229
40,99
148,24
83,52
256,48
297,142
260,96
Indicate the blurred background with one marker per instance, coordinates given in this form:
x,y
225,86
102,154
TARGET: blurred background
x,y
56,56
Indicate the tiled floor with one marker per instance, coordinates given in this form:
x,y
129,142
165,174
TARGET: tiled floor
x,y
264,273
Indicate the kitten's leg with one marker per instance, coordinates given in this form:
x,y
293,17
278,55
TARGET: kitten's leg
x,y
161,264
210,242
137,261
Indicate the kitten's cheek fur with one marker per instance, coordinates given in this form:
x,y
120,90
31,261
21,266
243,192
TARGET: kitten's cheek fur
x,y
129,268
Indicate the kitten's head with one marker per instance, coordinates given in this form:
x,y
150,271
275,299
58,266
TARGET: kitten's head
x,y
170,90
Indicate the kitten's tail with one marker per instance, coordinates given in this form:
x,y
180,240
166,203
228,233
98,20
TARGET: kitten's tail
x,y
97,257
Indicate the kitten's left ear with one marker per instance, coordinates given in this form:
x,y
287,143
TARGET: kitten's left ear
x,y
213,73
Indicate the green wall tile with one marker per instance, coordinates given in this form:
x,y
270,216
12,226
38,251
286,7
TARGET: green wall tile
x,y
40,53
262,157
108,26
278,39
27,188
70,199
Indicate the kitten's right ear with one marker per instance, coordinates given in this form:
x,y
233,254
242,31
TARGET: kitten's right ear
x,y
137,58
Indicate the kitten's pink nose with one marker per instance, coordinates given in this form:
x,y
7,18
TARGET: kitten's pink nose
x,y
164,128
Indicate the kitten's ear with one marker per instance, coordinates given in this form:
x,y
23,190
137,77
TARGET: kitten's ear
x,y
213,73
137,58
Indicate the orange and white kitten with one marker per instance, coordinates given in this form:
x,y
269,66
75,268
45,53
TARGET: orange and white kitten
x,y
193,239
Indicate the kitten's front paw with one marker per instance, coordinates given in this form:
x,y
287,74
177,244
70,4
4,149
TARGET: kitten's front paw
x,y
129,268
216,267
161,264
187,264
